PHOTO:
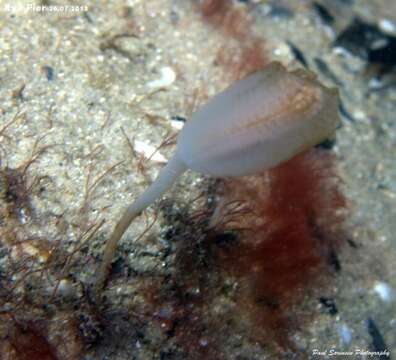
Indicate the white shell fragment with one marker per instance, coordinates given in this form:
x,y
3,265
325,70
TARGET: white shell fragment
x,y
387,26
384,291
149,151
168,77
178,125
259,122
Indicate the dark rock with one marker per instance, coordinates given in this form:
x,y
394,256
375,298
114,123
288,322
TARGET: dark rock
x,y
334,261
226,239
326,71
298,54
328,144
378,342
178,118
49,72
368,42
329,304
324,14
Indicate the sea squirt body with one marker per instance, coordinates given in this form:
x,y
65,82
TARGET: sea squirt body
x,y
255,124
259,122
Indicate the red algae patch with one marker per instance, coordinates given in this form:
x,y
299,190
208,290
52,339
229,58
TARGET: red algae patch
x,y
242,51
291,234
254,262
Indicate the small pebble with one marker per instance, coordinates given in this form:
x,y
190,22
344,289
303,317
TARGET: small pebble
x,y
283,51
345,333
66,289
359,115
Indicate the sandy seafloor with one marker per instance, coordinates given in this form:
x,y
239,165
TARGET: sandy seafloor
x,y
70,87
